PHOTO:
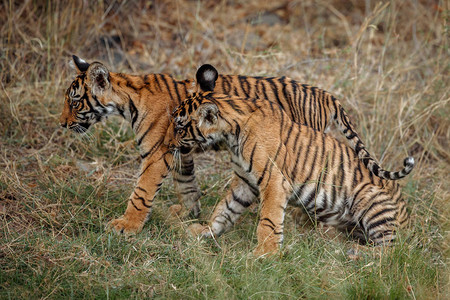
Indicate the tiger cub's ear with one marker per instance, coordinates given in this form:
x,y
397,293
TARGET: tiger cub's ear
x,y
98,78
79,64
207,114
206,77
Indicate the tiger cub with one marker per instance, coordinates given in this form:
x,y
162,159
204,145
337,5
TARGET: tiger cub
x,y
283,162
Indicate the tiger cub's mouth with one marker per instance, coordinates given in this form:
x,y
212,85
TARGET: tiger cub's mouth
x,y
80,127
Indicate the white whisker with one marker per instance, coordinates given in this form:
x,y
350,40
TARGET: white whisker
x,y
83,134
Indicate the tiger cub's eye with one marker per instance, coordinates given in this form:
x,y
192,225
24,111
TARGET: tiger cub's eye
x,y
76,103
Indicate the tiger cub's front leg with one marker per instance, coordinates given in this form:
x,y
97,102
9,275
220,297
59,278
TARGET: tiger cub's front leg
x,y
153,171
186,186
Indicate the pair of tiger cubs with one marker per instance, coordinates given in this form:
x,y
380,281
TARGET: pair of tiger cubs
x,y
274,157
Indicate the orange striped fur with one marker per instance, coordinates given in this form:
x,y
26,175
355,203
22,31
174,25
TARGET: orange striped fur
x,y
146,101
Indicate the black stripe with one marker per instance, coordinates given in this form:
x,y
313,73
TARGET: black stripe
x,y
187,171
142,200
342,170
226,86
287,97
175,84
163,77
121,110
236,108
253,188
157,81
227,216
312,107
281,123
138,125
131,200
191,190
270,221
139,141
263,173
298,154
309,199
133,111
296,142
239,200
312,166
325,217
244,85
383,211
355,197
229,208
296,195
289,133
96,101
296,105
379,223
153,148
141,189
264,91
333,101
318,95
274,91
167,165
250,166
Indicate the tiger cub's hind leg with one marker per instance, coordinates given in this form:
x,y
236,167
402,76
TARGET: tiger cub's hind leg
x,y
186,187
271,220
381,213
239,197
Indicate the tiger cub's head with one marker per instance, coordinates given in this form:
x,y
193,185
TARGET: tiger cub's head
x,y
196,121
85,100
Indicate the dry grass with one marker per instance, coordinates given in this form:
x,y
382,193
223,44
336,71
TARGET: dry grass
x,y
389,63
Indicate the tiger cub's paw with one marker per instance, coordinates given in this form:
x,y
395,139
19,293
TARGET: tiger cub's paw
x,y
197,229
179,211
176,210
125,226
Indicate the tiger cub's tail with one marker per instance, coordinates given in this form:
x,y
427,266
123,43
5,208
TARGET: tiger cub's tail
x,y
344,125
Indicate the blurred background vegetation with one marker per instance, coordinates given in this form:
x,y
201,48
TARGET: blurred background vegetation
x,y
387,61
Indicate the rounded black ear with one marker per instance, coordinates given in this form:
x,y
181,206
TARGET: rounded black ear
x,y
206,77
80,65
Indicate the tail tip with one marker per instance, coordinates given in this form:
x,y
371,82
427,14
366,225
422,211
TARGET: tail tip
x,y
409,162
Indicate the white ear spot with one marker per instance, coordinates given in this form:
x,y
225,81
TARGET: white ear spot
x,y
209,75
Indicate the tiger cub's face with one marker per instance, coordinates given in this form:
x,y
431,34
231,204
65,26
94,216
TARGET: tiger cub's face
x,y
76,114
194,123
83,102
